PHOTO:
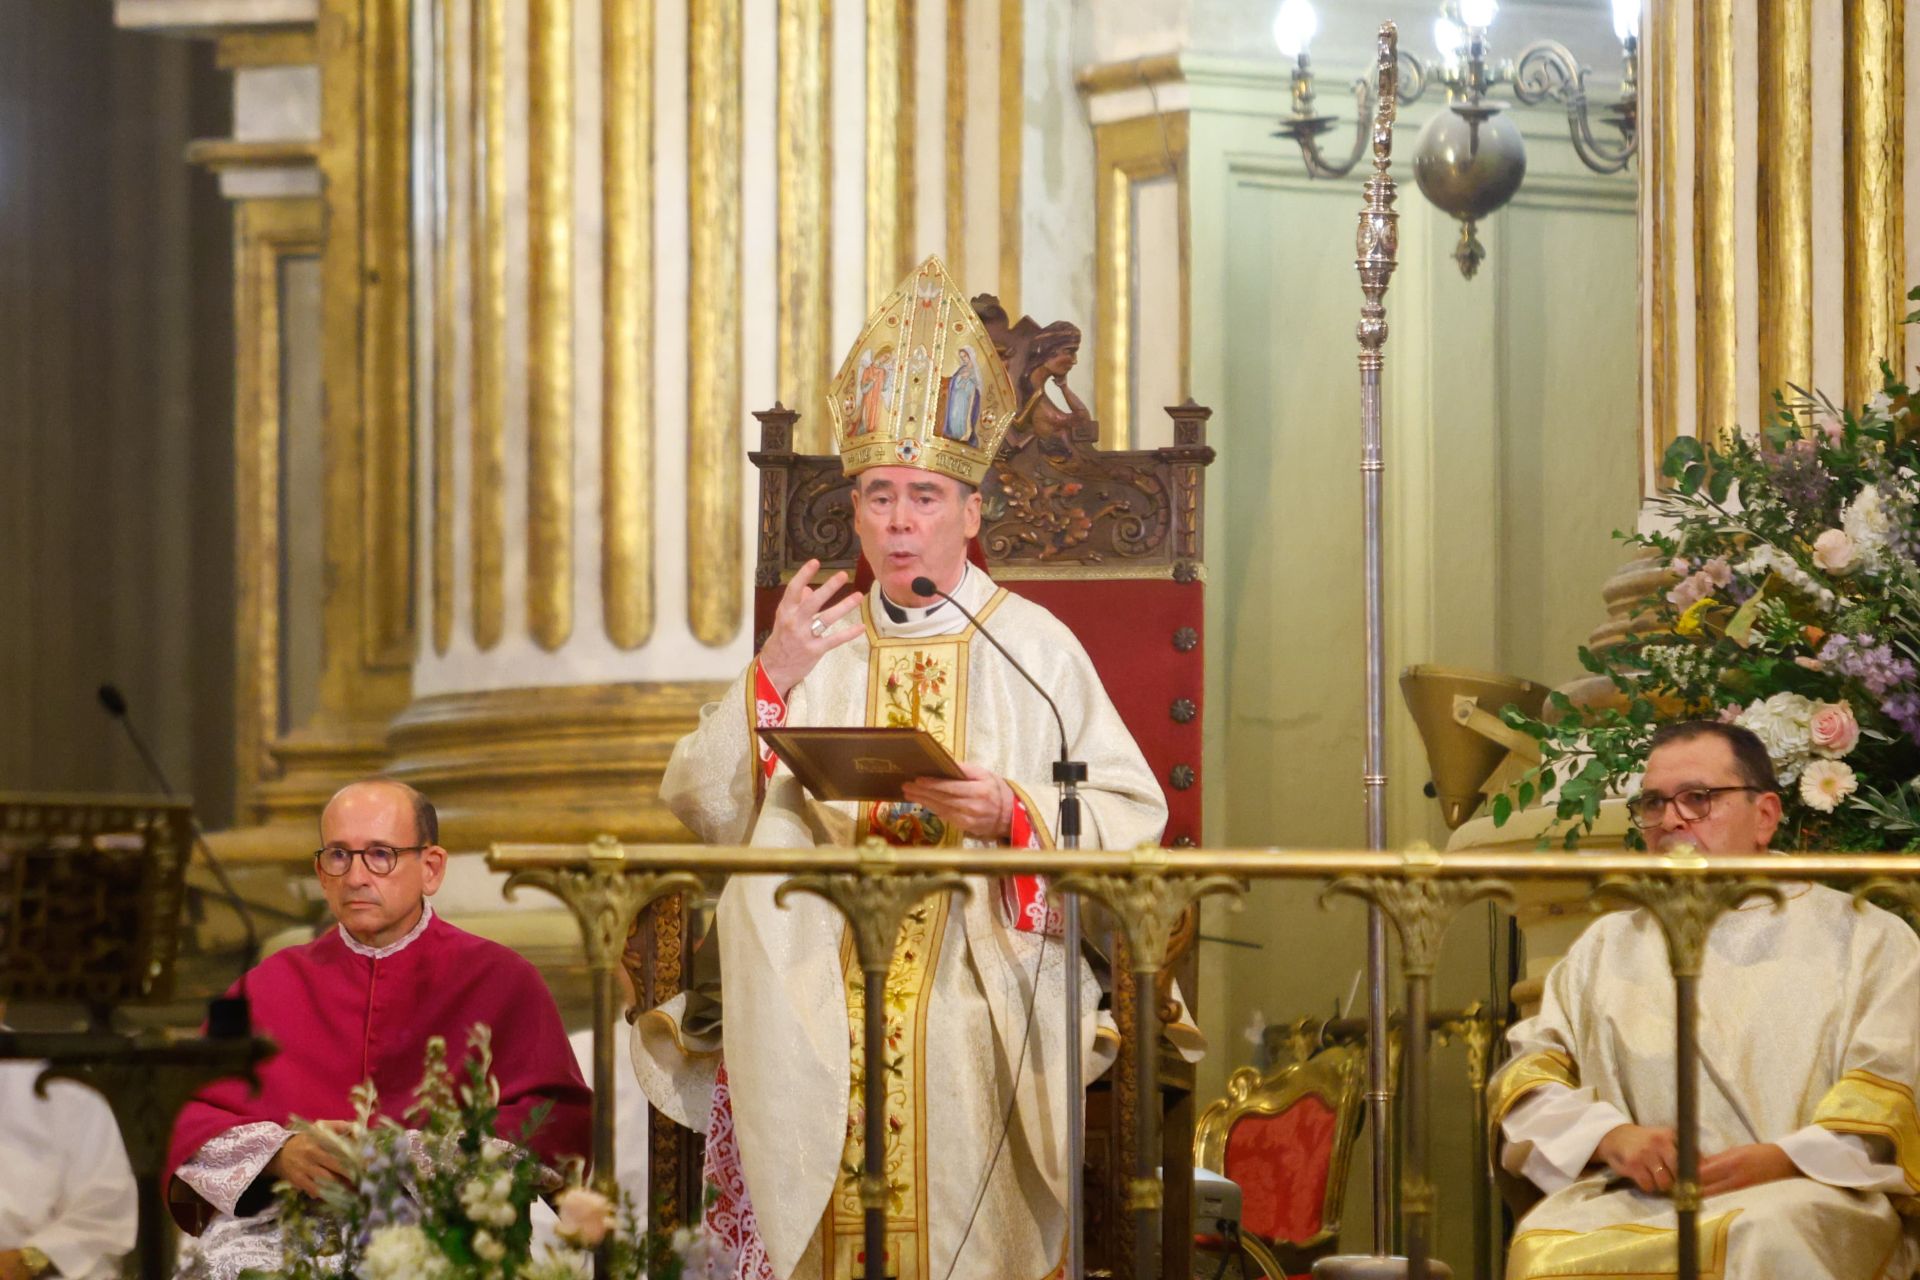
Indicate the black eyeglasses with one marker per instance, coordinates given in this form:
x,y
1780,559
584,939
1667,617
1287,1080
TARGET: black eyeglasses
x,y
380,858
1649,808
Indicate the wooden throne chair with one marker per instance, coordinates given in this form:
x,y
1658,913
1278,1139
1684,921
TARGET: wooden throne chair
x,y
1110,542
1286,1138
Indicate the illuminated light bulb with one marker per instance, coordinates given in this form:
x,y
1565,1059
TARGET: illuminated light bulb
x,y
1477,15
1449,39
1294,26
1626,19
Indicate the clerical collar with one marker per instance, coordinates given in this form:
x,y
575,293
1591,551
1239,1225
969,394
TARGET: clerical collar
x,y
902,614
360,948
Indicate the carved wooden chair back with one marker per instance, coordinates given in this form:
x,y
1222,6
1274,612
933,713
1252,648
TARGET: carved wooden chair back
x,y
1286,1138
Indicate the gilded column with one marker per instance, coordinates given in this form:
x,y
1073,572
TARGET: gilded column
x,y
1716,403
1785,195
956,115
370,272
626,484
488,262
443,325
713,322
549,709
1013,97
550,216
1659,155
890,135
806,174
1875,88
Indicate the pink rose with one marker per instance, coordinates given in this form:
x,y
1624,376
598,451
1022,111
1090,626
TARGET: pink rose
x,y
1832,729
1718,571
1832,428
1833,551
585,1216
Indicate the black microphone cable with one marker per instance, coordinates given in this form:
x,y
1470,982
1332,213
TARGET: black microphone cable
x,y
925,589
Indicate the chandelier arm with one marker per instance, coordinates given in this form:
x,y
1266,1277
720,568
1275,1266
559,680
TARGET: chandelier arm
x,y
1318,165
1547,69
1413,77
1601,157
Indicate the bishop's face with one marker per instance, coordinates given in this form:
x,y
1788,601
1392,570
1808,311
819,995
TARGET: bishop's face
x,y
378,910
913,523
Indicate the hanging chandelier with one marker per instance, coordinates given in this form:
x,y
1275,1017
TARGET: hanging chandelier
x,y
1470,159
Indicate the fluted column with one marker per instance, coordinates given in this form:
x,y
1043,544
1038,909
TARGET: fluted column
x,y
634,223
1802,102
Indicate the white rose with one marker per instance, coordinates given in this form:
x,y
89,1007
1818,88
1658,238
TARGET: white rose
x,y
1834,551
1867,521
1783,723
1826,783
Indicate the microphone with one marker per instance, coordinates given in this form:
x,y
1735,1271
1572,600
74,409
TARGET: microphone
x,y
1067,772
225,1017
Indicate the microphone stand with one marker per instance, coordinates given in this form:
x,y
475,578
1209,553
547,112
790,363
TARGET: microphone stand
x,y
227,1016
1069,774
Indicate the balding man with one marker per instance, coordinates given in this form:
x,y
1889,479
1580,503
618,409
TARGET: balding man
x,y
360,1003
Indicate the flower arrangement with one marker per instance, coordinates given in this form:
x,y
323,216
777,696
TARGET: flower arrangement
x,y
446,1199
1796,614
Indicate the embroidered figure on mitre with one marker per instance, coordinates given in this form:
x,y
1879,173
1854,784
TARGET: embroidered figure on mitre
x,y
923,385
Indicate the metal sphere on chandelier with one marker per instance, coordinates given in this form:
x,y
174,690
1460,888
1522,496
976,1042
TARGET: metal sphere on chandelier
x,y
1470,159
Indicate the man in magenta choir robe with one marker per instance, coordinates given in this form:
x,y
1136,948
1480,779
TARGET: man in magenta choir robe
x,y
359,1003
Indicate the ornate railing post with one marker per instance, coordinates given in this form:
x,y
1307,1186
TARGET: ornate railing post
x,y
1421,905
605,898
1148,902
875,900
1686,907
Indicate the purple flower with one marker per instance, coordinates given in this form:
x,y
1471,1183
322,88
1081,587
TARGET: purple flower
x,y
1903,709
1873,665
1797,477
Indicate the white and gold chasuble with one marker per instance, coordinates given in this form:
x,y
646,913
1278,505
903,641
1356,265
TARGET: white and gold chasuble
x,y
962,979
1809,1036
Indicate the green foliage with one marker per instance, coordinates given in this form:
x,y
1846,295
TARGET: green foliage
x,y
445,1197
1796,613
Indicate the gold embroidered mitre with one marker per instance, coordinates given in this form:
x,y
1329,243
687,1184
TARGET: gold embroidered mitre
x,y
923,385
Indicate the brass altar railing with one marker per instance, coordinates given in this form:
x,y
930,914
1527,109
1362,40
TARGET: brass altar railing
x,y
1420,892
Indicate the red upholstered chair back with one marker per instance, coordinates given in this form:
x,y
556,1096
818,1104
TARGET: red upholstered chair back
x,y
1286,1138
1108,541
1282,1163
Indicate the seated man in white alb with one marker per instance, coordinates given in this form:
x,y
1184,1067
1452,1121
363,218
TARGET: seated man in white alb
x,y
67,1205
1809,1036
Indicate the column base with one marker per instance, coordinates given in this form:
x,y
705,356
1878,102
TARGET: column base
x,y
560,765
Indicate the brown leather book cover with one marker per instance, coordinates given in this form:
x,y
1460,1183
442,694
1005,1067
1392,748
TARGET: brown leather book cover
x,y
860,763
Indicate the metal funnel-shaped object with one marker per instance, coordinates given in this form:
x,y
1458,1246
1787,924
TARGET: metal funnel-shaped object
x,y
1458,714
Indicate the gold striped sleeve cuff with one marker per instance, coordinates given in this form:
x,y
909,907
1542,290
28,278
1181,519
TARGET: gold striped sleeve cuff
x,y
1863,1103
1520,1078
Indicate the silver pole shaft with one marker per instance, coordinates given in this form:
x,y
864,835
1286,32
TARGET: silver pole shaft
x,y
1379,1095
1376,244
1076,1087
